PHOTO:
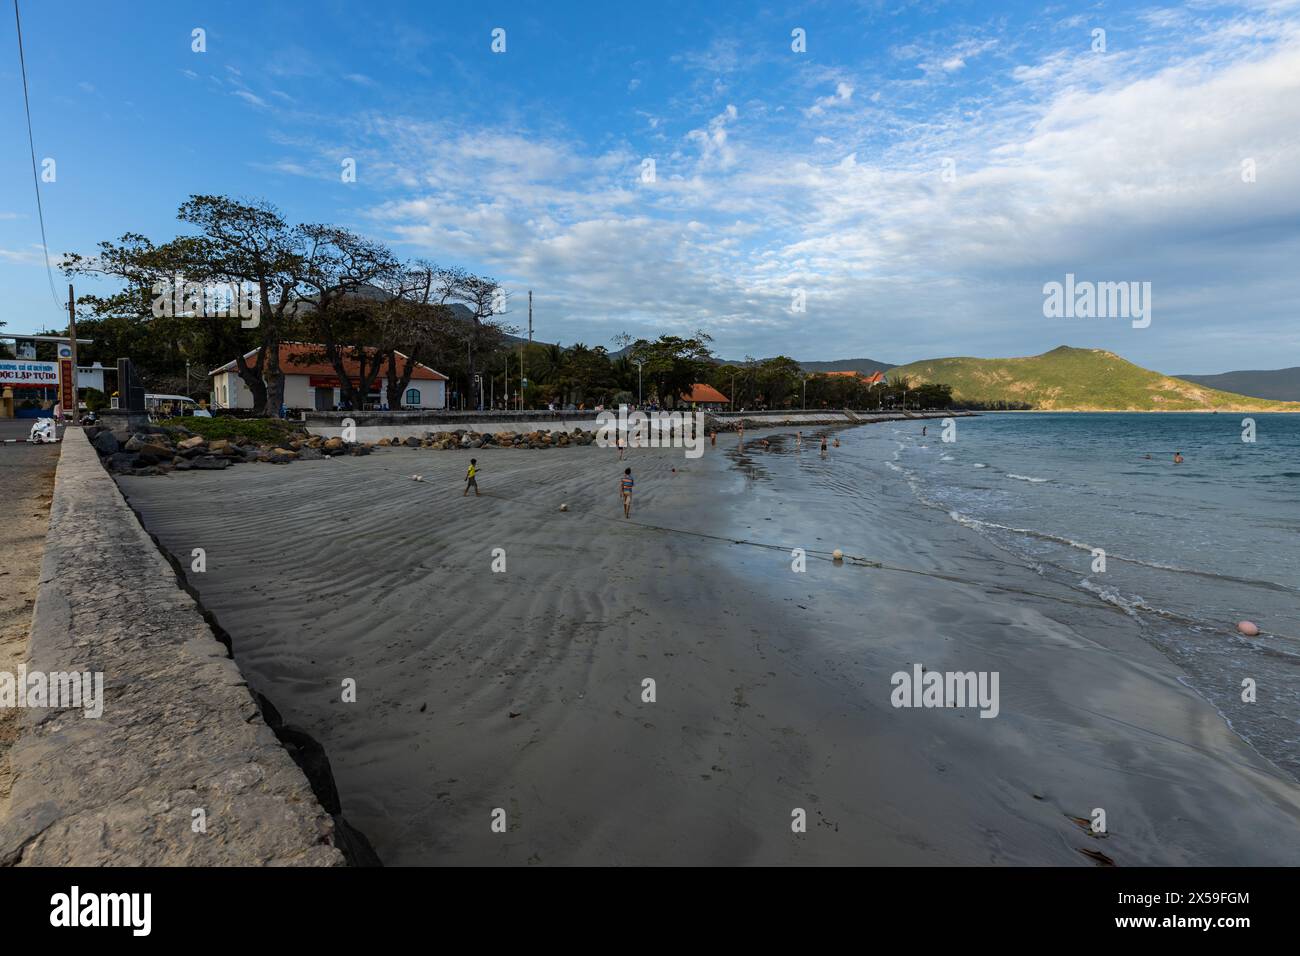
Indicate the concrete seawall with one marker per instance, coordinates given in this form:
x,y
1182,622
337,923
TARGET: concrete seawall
x,y
179,732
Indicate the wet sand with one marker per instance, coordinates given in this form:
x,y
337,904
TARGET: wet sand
x,y
522,690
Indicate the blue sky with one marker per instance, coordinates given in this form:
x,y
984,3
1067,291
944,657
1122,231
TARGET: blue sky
x,y
774,171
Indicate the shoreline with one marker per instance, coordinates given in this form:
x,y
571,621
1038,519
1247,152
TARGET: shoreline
x,y
521,691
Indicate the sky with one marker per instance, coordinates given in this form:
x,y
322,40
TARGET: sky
x,y
913,177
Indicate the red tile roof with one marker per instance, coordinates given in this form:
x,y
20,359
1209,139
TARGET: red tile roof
x,y
875,378
293,354
705,394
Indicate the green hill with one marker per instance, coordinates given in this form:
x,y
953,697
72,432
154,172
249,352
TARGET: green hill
x,y
1070,379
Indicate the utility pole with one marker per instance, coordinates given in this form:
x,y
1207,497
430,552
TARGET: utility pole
x,y
72,341
522,376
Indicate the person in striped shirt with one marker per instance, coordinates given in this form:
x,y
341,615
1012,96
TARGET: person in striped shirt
x,y
625,489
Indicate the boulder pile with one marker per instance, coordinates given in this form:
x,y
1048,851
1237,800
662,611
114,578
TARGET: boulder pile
x,y
157,449
460,438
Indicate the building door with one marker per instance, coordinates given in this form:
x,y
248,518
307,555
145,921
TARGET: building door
x,y
324,399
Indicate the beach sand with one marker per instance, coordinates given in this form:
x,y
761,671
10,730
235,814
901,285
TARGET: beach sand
x,y
27,472
522,690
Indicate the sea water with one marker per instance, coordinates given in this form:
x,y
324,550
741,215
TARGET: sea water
x,y
1189,549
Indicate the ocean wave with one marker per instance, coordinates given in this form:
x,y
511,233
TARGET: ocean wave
x,y
1129,606
979,524
1037,481
979,464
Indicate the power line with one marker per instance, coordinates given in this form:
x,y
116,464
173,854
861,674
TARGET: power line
x,y
31,145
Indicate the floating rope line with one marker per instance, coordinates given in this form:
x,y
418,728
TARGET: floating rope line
x,y
856,560
865,562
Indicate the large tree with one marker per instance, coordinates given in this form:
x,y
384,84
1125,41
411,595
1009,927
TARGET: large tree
x,y
345,274
245,243
672,364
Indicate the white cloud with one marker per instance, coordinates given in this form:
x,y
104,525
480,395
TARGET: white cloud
x,y
1124,167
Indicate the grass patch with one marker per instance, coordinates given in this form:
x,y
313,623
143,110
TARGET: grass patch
x,y
262,431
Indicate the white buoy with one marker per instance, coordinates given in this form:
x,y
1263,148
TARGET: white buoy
x,y
417,477
564,507
1247,628
837,554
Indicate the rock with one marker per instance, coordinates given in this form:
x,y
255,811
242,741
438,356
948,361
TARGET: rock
x,y
195,442
1248,628
209,463
152,453
287,453
123,461
333,444
384,442
219,446
311,454
412,442
105,443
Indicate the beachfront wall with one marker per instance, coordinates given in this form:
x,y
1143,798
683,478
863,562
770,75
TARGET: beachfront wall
x,y
179,730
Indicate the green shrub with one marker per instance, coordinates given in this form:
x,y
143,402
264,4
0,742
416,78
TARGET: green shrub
x,y
263,431
95,400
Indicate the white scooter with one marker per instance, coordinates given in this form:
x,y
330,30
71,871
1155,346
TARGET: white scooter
x,y
43,431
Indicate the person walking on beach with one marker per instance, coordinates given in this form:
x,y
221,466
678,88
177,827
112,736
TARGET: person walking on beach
x,y
625,491
471,478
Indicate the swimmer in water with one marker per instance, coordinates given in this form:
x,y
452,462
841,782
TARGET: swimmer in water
x,y
1178,458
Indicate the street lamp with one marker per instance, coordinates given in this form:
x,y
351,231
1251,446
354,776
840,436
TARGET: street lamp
x,y
640,364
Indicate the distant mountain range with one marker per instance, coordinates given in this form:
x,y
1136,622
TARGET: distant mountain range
x,y
1282,385
1078,380
1071,379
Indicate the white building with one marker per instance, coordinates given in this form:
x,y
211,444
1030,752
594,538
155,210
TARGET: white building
x,y
310,381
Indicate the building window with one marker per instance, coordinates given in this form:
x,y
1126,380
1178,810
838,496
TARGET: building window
x,y
412,396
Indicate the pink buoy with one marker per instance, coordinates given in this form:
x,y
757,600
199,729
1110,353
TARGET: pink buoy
x,y
1247,628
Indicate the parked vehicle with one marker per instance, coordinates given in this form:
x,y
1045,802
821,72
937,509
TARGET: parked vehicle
x,y
43,431
173,406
